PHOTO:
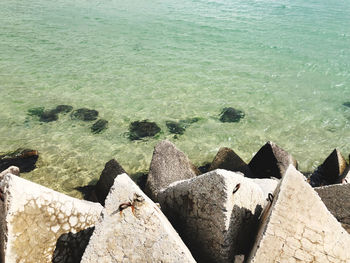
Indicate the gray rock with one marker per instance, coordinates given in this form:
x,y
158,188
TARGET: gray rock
x,y
99,126
271,161
133,229
330,171
297,227
337,199
110,172
168,165
215,213
227,159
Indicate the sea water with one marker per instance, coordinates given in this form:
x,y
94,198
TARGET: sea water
x,y
286,64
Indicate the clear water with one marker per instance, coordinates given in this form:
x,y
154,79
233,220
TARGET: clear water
x,y
286,64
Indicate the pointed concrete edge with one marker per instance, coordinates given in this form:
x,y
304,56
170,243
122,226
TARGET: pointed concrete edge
x,y
33,217
297,227
168,165
138,233
215,213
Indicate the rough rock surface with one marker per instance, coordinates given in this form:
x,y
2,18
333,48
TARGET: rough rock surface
x,y
24,159
134,232
168,165
337,199
330,171
110,172
33,218
227,159
271,161
297,227
215,213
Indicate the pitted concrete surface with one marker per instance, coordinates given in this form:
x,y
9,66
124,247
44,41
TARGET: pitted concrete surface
x,y
299,228
133,229
215,213
337,199
33,217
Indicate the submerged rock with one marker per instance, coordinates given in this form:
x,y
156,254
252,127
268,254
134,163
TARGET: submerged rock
x,y
64,108
231,115
99,126
297,227
347,104
37,111
24,159
48,116
84,114
330,171
142,129
179,127
175,127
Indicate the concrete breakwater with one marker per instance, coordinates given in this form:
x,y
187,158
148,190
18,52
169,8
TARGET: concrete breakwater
x,y
227,211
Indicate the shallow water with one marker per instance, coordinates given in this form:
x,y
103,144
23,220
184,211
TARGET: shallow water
x,y
286,64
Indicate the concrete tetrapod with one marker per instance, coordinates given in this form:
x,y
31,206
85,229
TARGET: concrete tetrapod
x,y
337,199
297,227
168,165
33,217
133,229
215,213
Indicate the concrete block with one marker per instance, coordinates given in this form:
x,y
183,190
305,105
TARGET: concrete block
x,y
33,217
337,199
271,161
215,213
330,171
133,229
227,159
110,172
297,227
168,165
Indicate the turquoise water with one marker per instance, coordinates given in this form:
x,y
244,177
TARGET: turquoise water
x,y
286,64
